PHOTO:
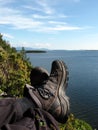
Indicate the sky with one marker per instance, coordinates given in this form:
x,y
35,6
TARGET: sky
x,y
51,24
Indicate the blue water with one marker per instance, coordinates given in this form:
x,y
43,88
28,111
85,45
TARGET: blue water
x,y
83,80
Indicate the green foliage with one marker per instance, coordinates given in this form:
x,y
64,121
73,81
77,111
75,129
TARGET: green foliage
x,y
5,45
14,69
75,124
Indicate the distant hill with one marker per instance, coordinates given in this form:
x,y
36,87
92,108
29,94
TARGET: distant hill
x,y
31,49
26,48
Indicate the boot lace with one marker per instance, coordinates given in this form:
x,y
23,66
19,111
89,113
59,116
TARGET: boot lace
x,y
44,93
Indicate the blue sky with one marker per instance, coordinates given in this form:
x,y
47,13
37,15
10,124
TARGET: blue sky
x,y
52,24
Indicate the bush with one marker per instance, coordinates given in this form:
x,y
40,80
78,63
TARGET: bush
x,y
75,124
14,69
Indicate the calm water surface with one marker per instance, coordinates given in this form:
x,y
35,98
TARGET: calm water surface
x,y
83,80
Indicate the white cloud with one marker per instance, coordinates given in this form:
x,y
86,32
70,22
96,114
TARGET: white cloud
x,y
36,16
32,45
62,28
57,23
46,17
16,19
45,6
40,6
58,28
7,35
29,7
5,2
42,45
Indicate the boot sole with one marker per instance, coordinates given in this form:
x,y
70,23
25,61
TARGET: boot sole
x,y
64,77
62,87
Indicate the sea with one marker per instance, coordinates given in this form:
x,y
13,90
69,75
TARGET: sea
x,y
83,79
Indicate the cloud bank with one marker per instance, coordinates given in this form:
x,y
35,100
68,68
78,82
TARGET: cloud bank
x,y
38,15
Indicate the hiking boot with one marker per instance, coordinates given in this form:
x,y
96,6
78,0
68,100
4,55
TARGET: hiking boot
x,y
51,96
38,75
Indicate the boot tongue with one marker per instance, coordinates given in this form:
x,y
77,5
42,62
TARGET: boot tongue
x,y
28,92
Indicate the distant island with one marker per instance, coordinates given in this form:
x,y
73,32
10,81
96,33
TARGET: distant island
x,y
31,50
35,51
